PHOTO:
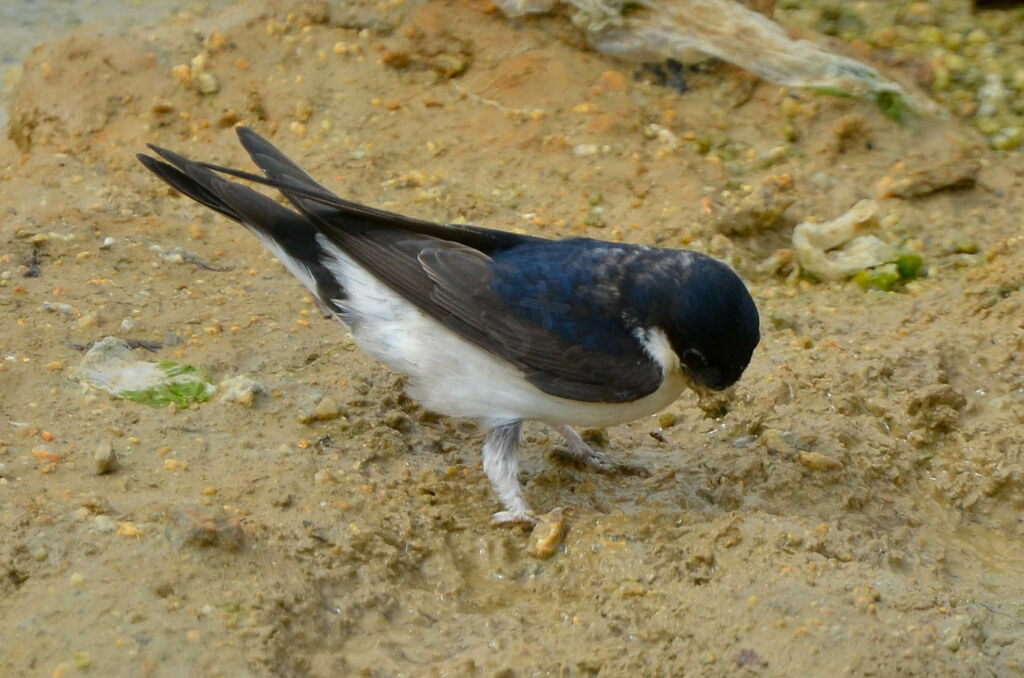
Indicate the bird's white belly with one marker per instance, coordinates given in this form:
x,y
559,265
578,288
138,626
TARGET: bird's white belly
x,y
451,376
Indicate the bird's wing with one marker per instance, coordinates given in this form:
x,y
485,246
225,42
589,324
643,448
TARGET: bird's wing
x,y
313,199
454,284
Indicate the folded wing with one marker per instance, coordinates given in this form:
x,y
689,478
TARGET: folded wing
x,y
446,271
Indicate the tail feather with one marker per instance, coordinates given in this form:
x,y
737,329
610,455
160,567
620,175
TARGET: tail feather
x,y
289,236
311,197
185,185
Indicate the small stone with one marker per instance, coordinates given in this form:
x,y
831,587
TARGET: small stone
x,y
326,409
816,461
240,389
667,419
82,660
547,535
199,526
951,174
325,476
613,81
88,320
303,111
207,83
104,524
182,74
1007,138
105,458
449,65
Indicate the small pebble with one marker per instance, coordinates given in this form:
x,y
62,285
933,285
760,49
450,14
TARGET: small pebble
x,y
547,535
199,526
326,409
207,83
105,458
324,476
182,74
88,320
816,461
241,389
1007,138
613,81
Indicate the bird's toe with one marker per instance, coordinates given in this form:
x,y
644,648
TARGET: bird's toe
x,y
513,518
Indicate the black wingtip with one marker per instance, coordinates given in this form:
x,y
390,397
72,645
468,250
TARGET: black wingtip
x,y
158,167
252,142
176,159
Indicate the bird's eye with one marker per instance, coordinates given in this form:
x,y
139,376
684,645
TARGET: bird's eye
x,y
694,359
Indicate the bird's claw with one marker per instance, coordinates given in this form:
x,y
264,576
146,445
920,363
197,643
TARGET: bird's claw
x,y
513,518
597,461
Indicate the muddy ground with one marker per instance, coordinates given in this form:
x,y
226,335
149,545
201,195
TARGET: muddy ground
x,y
856,511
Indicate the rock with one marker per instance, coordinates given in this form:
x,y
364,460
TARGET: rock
x,y
934,410
613,81
105,458
760,209
88,320
326,409
201,526
241,389
206,83
958,173
816,461
547,535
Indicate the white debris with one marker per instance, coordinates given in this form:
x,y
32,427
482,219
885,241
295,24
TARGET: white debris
x,y
833,251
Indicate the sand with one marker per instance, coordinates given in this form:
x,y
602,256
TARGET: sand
x,y
855,509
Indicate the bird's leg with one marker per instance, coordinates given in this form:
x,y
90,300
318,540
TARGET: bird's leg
x,y
501,464
582,453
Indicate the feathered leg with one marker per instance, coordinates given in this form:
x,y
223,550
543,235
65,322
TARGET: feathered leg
x,y
501,464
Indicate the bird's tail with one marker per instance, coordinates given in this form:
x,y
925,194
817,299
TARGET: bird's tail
x,y
291,237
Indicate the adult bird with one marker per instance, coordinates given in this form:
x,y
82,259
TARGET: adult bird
x,y
495,326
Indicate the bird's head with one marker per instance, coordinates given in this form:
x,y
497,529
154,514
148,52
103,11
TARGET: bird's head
x,y
702,311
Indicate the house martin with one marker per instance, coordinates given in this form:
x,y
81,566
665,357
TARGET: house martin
x,y
495,326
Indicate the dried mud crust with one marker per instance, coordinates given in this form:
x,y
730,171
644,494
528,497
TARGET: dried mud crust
x,y
855,508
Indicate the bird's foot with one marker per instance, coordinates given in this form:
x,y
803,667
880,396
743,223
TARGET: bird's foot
x,y
577,451
513,518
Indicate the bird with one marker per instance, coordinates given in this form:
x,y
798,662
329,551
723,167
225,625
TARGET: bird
x,y
491,325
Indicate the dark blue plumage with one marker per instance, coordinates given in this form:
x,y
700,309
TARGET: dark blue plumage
x,y
582,290
494,325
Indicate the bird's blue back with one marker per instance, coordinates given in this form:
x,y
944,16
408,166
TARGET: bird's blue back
x,y
571,288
